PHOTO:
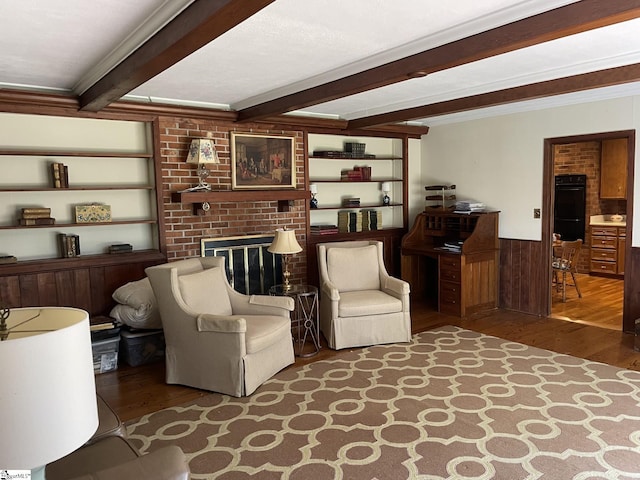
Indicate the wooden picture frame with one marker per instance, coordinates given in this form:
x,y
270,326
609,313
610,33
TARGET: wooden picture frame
x,y
262,161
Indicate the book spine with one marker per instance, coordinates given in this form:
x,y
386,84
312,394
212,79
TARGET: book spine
x,y
36,221
36,210
36,215
64,180
55,172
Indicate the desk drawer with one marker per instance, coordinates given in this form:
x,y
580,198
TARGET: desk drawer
x,y
450,302
604,255
603,267
450,268
604,242
606,231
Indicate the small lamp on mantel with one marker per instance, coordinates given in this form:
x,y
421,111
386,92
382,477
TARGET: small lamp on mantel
x,y
285,243
202,152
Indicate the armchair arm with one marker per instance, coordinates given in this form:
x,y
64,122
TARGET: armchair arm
x,y
168,463
270,301
220,323
330,290
395,286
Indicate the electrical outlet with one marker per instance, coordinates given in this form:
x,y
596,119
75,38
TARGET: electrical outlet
x,y
536,213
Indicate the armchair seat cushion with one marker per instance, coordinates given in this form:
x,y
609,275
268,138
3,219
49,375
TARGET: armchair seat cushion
x,y
367,302
265,330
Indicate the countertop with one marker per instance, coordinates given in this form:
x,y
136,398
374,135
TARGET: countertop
x,y
605,221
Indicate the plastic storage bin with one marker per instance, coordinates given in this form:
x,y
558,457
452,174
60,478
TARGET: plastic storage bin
x,y
141,346
105,354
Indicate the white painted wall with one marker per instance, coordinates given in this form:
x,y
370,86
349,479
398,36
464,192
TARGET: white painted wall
x,y
499,160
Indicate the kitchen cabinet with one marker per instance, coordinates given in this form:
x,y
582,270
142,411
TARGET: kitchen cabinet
x,y
607,249
613,169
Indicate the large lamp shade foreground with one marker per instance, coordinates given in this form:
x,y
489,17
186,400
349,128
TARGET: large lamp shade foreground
x,y
47,387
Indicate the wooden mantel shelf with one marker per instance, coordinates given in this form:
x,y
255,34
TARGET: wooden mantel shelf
x,y
283,197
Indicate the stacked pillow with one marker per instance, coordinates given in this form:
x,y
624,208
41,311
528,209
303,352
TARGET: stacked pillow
x,y
136,305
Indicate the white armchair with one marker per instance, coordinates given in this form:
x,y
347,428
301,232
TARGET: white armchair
x,y
216,338
360,304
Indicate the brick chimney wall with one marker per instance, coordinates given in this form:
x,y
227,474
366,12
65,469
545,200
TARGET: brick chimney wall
x,y
184,230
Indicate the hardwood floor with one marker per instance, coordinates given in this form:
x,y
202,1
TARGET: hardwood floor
x,y
601,303
135,391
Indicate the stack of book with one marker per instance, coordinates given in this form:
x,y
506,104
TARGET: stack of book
x,y
120,248
349,221
69,245
60,175
371,219
351,175
36,216
323,229
8,259
351,202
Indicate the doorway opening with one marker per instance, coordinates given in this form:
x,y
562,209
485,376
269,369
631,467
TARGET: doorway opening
x,y
578,181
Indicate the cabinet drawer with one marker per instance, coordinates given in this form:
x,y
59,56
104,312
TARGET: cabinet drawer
x,y
605,231
450,274
603,267
449,292
604,242
450,262
609,255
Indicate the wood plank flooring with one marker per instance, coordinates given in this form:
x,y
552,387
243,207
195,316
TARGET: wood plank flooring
x,y
601,303
135,391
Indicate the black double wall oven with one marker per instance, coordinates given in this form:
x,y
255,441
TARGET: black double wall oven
x,y
569,216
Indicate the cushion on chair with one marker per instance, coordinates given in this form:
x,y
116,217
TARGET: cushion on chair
x,y
367,302
353,268
265,330
205,292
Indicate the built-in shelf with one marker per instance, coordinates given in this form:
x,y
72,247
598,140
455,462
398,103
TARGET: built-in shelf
x,y
283,197
359,207
78,188
337,180
88,224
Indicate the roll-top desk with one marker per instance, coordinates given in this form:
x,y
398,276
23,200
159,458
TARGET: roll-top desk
x,y
453,257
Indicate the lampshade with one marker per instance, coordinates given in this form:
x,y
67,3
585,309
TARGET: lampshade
x,y
47,393
386,186
285,242
202,151
313,188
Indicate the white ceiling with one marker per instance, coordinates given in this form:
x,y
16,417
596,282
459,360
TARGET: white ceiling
x,y
66,45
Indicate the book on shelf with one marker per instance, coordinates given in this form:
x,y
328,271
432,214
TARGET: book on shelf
x,y
36,221
60,175
349,221
120,248
324,229
7,259
69,245
36,210
371,219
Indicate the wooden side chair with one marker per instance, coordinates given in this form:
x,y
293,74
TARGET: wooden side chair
x,y
566,262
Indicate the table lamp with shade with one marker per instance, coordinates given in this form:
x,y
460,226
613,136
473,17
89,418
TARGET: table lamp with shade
x,y
48,405
202,152
285,243
386,188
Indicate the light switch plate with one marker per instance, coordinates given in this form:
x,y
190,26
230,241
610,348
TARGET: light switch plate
x,y
536,213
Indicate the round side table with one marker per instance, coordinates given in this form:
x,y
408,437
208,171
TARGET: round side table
x,y
305,322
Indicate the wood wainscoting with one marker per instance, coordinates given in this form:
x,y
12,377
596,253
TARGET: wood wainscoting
x,y
80,282
525,287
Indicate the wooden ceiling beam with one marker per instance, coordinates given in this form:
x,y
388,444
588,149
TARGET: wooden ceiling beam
x,y
194,27
560,22
532,91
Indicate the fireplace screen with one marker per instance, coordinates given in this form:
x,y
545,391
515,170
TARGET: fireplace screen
x,y
250,268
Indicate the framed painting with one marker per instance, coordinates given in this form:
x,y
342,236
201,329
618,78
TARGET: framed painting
x,y
262,161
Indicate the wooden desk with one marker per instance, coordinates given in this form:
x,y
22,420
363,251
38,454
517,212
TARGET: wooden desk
x,y
464,281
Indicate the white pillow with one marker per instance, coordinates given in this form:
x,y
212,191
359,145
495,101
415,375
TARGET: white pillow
x,y
137,305
141,317
353,268
206,292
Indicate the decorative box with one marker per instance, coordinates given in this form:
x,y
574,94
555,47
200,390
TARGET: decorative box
x,y
94,213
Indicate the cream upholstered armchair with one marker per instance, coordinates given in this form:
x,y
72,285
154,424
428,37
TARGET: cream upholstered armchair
x,y
360,304
216,338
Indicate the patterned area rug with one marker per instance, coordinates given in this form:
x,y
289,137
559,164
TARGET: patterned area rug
x,y
451,404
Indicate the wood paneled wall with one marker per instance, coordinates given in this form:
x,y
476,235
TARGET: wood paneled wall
x,y
523,286
81,283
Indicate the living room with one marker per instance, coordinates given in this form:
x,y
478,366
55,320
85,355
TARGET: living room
x,y
497,155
